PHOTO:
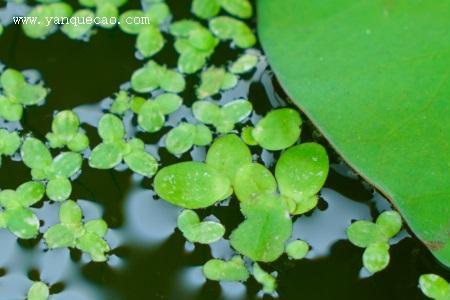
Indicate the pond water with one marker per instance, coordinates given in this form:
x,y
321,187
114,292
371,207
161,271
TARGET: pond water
x,y
150,257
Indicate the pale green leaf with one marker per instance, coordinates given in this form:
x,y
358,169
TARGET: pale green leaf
x,y
232,270
59,189
252,180
105,156
38,291
142,163
297,249
376,257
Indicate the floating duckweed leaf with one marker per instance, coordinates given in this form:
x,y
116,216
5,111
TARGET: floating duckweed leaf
x,y
205,232
227,28
38,291
365,233
181,138
191,185
149,41
72,233
227,154
105,156
434,286
59,189
240,8
252,180
278,130
126,24
232,270
146,79
244,64
190,61
268,282
205,9
183,28
30,193
9,143
9,110
107,11
41,12
222,118
142,163
202,39
136,104
391,222
168,103
158,13
247,136
171,81
301,172
150,117
203,135
262,235
82,29
21,222
121,103
297,249
66,132
376,257
35,155
110,128
213,80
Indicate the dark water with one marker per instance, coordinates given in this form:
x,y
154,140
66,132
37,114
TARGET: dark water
x,y
150,258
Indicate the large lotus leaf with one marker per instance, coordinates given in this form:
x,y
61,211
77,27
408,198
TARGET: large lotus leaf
x,y
373,76
266,228
191,185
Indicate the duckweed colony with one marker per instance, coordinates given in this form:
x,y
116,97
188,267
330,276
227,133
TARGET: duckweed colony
x,y
224,152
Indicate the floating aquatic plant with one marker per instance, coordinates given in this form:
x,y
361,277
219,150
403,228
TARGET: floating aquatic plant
x,y
301,172
57,171
375,238
194,43
266,228
206,9
195,231
151,113
66,132
244,64
153,76
297,249
38,291
81,30
106,11
268,281
232,270
114,149
252,180
17,217
213,80
192,185
121,103
223,118
9,143
72,233
434,287
181,138
227,28
17,94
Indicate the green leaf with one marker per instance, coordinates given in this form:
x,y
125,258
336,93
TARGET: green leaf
x,y
82,29
168,103
193,230
126,24
98,227
268,281
226,28
22,222
376,257
181,138
149,41
202,39
70,213
79,142
247,136
59,189
9,110
203,135
94,245
237,110
30,193
9,142
142,163
105,156
158,13
206,112
121,103
278,130
191,185
35,155
171,81
434,286
232,270
297,249
150,116
239,8
252,180
65,125
301,172
67,164
266,228
110,128
383,111
244,64
146,79
205,9
59,236
38,291
364,233
211,82
390,222
227,154
182,28
106,10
